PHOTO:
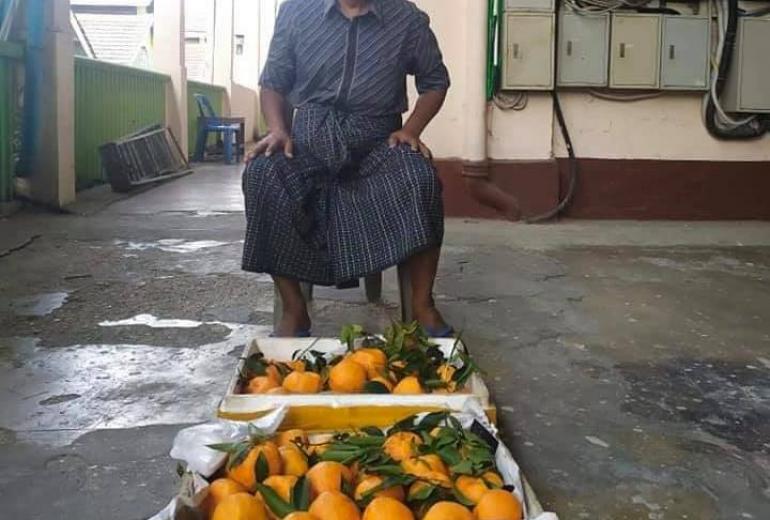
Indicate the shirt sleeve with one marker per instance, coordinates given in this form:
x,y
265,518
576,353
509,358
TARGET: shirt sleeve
x,y
279,72
426,62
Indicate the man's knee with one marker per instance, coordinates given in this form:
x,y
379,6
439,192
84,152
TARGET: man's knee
x,y
260,173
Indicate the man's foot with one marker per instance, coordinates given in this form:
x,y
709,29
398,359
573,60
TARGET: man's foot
x,y
430,318
293,324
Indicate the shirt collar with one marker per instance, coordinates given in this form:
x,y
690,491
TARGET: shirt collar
x,y
375,7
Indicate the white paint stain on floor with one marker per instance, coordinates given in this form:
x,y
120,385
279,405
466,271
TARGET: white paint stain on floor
x,y
148,320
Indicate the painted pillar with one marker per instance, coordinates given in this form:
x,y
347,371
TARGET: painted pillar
x,y
48,154
247,72
475,106
168,52
223,44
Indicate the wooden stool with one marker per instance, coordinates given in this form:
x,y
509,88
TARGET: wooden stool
x,y
373,288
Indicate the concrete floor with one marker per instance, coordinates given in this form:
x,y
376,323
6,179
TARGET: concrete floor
x,y
630,361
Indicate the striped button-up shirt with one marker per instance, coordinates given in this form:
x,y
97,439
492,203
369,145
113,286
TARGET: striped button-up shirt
x,y
320,56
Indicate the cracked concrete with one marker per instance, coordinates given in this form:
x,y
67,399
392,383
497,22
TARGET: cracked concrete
x,y
630,361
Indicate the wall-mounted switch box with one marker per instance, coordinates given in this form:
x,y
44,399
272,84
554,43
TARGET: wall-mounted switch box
x,y
528,53
747,88
684,61
583,50
635,51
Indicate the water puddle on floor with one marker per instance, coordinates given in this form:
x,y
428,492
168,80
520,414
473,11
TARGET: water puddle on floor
x,y
171,245
39,304
46,392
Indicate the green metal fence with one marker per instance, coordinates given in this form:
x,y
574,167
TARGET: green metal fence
x,y
216,95
111,101
9,53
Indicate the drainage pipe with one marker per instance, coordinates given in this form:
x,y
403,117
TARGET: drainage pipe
x,y
476,171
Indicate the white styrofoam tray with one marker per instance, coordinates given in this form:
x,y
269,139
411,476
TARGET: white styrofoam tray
x,y
249,406
190,446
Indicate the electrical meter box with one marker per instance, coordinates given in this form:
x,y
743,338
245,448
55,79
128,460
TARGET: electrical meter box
x,y
583,50
747,88
635,51
684,61
530,5
528,51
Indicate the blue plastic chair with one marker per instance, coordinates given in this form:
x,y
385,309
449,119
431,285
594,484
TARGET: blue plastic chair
x,y
231,130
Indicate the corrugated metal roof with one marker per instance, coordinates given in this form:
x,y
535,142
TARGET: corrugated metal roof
x,y
116,38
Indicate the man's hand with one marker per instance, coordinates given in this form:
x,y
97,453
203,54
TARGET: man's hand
x,y
273,142
405,137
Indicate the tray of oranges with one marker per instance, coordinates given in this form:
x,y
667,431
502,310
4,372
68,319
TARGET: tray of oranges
x,y
356,380
431,466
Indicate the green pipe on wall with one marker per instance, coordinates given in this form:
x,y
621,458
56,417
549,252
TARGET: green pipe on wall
x,y
494,17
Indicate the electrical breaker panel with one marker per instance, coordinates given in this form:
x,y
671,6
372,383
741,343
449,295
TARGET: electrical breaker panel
x,y
530,5
748,85
635,51
583,50
528,53
685,53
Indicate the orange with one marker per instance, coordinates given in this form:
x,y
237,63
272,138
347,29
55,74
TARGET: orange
x,y
493,479
245,472
300,515
282,485
472,488
445,372
218,490
437,479
385,508
294,460
347,377
402,445
498,504
408,385
372,359
276,391
273,372
240,506
261,384
291,436
333,505
328,476
448,511
371,482
302,383
424,464
297,366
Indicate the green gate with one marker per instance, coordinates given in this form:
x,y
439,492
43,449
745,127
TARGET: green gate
x,y
9,54
111,101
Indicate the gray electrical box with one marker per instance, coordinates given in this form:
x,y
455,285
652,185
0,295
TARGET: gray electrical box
x,y
530,5
528,53
748,86
583,50
635,51
684,61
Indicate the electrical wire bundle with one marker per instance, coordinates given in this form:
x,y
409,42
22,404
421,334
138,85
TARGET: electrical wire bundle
x,y
604,6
